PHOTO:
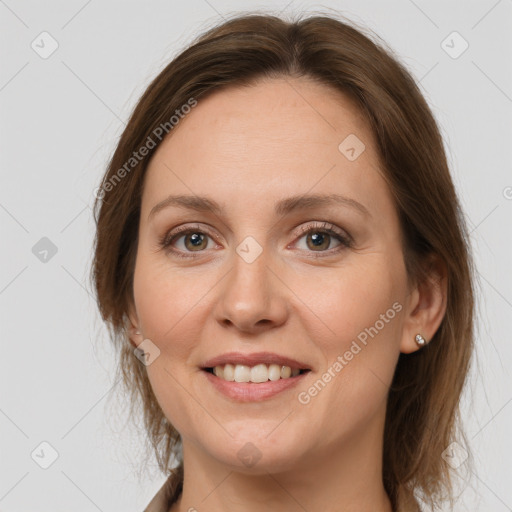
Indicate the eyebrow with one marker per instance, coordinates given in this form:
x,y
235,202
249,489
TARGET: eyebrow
x,y
282,207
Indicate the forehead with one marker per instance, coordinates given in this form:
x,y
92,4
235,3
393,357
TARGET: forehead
x,y
273,138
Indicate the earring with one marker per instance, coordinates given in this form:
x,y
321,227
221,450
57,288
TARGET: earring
x,y
420,340
134,331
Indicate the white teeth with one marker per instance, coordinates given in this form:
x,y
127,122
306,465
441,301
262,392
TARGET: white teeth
x,y
242,373
286,371
274,372
258,373
229,372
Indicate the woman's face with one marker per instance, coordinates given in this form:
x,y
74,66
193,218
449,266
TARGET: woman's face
x,y
262,274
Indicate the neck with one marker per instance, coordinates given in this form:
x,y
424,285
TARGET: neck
x,y
342,478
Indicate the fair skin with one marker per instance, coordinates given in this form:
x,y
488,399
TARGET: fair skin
x,y
248,148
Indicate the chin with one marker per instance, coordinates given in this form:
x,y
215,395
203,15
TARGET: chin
x,y
253,451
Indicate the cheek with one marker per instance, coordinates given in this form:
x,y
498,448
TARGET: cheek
x,y
168,303
361,321
165,298
349,300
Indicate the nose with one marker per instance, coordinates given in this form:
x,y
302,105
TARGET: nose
x,y
253,297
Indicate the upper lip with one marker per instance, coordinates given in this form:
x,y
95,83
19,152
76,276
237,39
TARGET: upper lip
x,y
253,359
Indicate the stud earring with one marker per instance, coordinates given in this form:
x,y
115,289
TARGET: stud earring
x,y
420,340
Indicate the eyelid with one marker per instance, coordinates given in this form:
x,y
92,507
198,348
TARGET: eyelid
x,y
164,241
345,239
327,227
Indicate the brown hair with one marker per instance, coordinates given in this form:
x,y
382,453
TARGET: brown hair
x,y
423,415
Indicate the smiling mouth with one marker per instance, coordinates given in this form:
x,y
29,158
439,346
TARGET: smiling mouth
x,y
257,374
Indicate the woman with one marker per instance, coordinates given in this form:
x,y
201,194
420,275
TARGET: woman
x,y
283,262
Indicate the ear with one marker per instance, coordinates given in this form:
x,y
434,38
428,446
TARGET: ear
x,y
133,329
426,304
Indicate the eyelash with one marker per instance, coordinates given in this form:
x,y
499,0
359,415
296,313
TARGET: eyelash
x,y
167,239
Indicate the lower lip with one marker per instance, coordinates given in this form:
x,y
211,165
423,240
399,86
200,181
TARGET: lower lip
x,y
253,391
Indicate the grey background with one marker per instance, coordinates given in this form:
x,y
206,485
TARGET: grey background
x,y
60,119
